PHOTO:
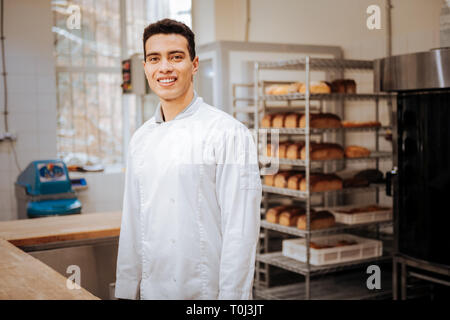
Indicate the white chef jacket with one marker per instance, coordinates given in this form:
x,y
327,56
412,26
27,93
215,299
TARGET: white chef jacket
x,y
191,210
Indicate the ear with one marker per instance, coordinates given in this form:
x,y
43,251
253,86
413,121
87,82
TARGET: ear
x,y
143,65
195,64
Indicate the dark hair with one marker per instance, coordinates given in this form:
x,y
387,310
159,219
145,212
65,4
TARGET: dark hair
x,y
169,26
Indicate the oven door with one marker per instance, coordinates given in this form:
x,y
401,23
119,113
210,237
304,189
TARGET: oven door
x,y
422,194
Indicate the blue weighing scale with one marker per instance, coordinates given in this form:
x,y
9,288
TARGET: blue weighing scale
x,y
44,189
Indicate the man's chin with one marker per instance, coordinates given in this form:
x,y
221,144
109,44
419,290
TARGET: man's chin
x,y
168,95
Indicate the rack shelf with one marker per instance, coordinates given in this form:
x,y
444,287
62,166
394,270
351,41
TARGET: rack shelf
x,y
337,228
317,64
294,102
320,131
277,259
302,163
326,96
328,288
304,194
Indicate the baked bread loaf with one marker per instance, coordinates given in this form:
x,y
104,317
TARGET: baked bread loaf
x,y
270,89
290,216
291,120
269,180
322,182
273,214
314,245
343,243
321,120
338,86
266,121
350,86
343,86
360,124
319,220
323,151
355,182
278,120
294,181
340,243
372,175
316,87
369,208
293,150
283,88
356,152
282,178
282,146
364,178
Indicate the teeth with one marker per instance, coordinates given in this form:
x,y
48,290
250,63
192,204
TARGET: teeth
x,y
166,80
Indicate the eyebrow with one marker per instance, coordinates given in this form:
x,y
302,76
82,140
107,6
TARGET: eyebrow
x,y
170,52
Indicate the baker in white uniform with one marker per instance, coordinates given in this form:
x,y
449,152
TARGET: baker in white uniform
x,y
191,210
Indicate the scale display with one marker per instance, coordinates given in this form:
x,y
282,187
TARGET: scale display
x,y
49,172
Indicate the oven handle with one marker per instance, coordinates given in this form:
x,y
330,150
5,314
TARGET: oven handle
x,y
390,176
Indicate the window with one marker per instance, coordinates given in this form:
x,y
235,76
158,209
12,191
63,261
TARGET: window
x,y
90,104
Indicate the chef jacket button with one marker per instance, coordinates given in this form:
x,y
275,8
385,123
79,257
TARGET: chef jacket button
x,y
174,280
172,200
172,240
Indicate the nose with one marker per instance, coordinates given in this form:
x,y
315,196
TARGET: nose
x,y
166,66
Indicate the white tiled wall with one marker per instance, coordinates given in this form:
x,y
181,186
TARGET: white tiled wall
x,y
31,93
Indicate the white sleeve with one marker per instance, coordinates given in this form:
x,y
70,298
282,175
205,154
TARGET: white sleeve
x,y
239,192
128,272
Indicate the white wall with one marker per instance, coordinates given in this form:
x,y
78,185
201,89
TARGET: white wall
x,y
203,21
31,92
415,24
415,27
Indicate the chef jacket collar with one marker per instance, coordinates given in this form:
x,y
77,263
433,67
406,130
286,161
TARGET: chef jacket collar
x,y
186,111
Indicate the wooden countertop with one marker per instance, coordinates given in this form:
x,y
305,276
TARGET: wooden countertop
x,y
24,277
61,228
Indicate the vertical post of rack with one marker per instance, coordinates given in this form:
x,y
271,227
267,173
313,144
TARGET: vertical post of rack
x,y
265,235
377,143
234,100
256,102
307,169
377,149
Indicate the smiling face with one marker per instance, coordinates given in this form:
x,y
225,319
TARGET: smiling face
x,y
168,66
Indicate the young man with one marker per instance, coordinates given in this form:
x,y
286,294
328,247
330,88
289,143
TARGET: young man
x,y
191,211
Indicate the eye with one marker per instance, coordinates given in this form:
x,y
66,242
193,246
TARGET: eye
x,y
177,57
153,59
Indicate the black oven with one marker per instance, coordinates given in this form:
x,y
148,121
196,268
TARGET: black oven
x,y
421,139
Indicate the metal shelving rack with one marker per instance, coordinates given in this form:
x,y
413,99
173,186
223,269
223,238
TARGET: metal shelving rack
x,y
264,258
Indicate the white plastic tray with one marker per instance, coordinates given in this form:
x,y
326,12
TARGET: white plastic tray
x,y
362,217
364,249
